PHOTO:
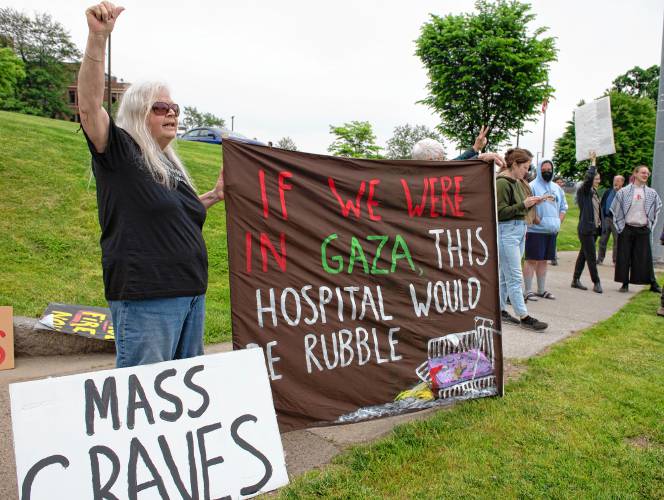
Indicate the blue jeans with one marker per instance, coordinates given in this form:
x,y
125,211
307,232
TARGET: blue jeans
x,y
511,237
154,330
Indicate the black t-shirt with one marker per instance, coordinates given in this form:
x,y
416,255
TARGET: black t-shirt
x,y
151,236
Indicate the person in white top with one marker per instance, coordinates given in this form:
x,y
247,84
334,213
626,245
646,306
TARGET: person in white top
x,y
635,210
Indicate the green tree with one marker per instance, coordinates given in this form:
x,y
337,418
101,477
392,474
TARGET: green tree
x,y
399,147
210,120
487,68
633,133
191,117
194,118
45,48
639,82
355,139
287,143
12,71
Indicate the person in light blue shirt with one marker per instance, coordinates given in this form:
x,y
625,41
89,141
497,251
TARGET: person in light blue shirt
x,y
541,236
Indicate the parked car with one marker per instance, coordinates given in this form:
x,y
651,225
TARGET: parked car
x,y
181,130
216,135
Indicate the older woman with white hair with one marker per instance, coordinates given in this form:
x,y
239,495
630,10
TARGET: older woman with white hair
x,y
154,257
431,150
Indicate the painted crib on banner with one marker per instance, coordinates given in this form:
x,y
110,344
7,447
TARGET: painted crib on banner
x,y
479,342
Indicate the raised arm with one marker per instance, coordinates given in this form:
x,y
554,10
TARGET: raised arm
x,y
590,175
94,119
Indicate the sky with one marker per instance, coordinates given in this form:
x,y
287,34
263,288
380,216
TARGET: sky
x,y
293,68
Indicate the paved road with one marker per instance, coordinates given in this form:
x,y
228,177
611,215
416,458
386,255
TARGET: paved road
x,y
572,310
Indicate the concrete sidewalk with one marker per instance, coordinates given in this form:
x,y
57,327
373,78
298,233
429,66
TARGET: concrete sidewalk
x,y
572,310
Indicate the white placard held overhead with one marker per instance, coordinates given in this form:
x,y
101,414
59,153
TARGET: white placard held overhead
x,y
594,129
203,427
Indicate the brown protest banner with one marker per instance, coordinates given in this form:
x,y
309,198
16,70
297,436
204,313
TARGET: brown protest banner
x,y
6,337
352,274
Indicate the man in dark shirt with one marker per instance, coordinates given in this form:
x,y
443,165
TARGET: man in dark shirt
x,y
608,228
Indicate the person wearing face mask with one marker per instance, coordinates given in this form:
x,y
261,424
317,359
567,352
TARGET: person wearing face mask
x,y
542,234
513,203
635,210
589,227
560,182
608,227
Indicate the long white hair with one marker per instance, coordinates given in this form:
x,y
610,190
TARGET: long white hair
x,y
135,107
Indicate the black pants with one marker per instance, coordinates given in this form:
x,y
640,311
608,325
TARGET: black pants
x,y
608,229
634,262
587,254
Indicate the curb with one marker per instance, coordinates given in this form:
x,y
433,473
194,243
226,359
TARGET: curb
x,y
31,341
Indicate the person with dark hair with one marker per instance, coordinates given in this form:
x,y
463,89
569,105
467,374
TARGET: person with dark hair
x,y
608,228
635,210
588,229
513,205
154,257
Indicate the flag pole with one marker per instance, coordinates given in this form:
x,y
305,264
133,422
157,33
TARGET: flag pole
x,y
545,105
109,102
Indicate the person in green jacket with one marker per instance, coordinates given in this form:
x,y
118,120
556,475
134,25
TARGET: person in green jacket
x,y
513,200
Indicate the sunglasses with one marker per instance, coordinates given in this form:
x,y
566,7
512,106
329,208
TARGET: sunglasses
x,y
161,108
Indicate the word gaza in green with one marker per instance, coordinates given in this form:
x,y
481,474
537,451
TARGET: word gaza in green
x,y
367,256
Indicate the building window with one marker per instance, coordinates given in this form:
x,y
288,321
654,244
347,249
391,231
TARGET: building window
x,y
72,97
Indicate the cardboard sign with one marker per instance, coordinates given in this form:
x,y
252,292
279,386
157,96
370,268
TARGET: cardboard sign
x,y
594,129
345,271
86,321
6,338
203,427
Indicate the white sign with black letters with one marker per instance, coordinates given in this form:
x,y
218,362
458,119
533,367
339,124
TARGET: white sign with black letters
x,y
198,428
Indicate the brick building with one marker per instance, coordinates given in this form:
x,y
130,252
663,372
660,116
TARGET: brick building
x,y
118,88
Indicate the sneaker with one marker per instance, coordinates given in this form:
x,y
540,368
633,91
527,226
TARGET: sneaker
x,y
654,287
660,311
508,318
530,323
624,289
597,287
554,262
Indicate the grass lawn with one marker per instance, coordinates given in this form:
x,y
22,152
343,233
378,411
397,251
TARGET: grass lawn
x,y
49,234
567,238
586,420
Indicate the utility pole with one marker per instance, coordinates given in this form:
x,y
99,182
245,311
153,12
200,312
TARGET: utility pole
x,y
232,122
658,161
